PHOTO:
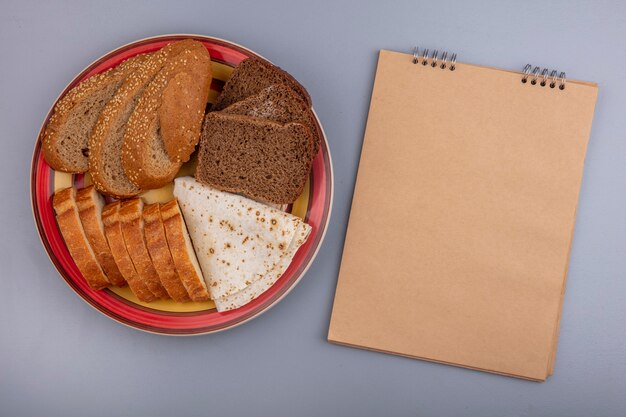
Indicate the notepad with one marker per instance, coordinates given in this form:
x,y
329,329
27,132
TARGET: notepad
x,y
463,214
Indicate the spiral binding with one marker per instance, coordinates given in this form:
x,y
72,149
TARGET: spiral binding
x,y
433,59
543,78
536,75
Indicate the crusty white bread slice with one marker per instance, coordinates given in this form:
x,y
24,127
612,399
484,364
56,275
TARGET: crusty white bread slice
x,y
164,128
90,204
131,217
65,141
182,251
115,237
156,242
105,143
64,204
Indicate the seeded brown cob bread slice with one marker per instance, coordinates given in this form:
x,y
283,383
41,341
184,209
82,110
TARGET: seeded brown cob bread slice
x,y
262,159
65,141
182,252
183,104
253,75
164,128
281,104
90,204
64,204
131,217
105,143
156,242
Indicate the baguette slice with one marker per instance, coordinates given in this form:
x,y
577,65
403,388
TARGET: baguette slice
x,y
66,138
115,237
90,204
182,252
156,241
281,104
133,231
253,75
262,159
164,128
64,204
105,143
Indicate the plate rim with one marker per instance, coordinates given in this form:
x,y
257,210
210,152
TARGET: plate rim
x,y
113,317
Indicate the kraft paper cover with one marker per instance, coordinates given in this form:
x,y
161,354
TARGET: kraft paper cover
x,y
463,214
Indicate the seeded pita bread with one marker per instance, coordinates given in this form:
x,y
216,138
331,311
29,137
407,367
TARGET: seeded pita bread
x,y
238,241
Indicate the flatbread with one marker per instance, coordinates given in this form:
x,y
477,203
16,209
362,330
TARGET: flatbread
x,y
258,287
237,240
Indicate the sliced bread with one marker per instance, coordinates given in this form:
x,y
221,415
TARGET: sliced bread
x,y
65,141
183,103
115,237
131,217
105,143
164,128
182,252
156,242
90,204
259,158
64,204
253,75
281,104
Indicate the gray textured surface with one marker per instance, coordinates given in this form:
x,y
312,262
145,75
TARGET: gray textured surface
x,y
58,357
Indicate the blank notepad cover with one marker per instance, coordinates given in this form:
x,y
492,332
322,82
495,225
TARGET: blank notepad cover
x,y
463,215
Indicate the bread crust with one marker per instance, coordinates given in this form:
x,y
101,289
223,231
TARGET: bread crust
x,y
156,243
174,228
63,110
72,231
115,237
170,111
132,229
89,204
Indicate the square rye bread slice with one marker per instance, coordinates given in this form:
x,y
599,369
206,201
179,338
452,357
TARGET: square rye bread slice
x,y
281,104
259,158
253,75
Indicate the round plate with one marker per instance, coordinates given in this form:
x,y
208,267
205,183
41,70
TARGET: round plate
x,y
166,316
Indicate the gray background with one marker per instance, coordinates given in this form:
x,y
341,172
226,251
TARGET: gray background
x,y
58,357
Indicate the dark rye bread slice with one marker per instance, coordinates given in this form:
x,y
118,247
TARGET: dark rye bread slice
x,y
105,143
65,142
64,203
115,237
281,104
253,75
170,111
156,242
262,159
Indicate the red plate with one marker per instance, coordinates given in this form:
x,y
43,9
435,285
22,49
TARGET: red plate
x,y
168,317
